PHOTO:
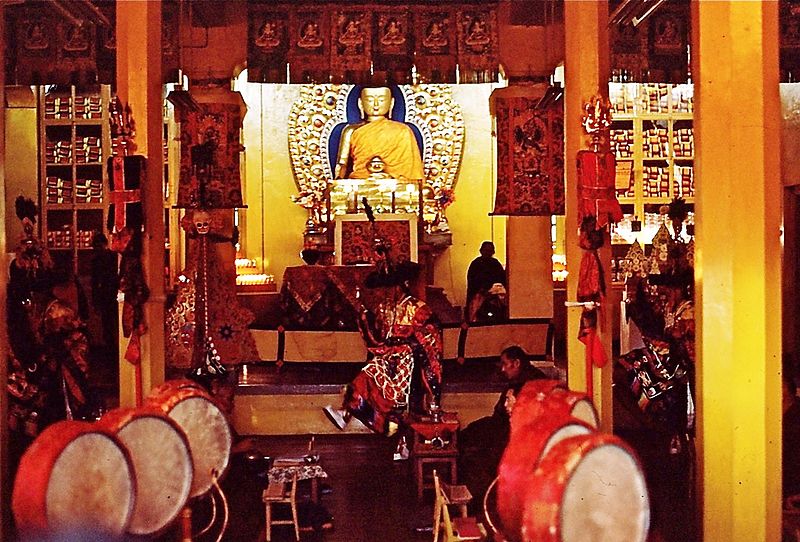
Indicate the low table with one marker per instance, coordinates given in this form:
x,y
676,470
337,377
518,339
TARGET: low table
x,y
434,443
283,469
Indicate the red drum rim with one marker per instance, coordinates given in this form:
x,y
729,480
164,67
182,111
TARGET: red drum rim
x,y
525,451
32,480
548,517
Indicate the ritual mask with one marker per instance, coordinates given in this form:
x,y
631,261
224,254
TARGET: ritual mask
x,y
202,222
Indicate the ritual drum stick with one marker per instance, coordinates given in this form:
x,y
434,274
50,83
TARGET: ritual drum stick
x,y
75,480
205,425
162,462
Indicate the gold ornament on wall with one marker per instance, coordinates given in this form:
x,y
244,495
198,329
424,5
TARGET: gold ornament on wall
x,y
316,118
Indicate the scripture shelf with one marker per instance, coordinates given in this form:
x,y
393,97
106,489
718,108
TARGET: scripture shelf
x,y
75,137
652,137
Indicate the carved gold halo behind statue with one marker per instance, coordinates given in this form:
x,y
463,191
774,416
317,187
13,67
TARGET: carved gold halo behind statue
x,y
321,108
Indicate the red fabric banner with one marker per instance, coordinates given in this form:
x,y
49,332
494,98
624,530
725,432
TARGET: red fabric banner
x,y
596,187
210,150
530,150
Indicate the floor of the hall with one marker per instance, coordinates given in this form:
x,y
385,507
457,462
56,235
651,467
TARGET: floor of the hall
x,y
372,498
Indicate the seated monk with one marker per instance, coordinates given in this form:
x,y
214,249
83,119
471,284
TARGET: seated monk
x,y
378,136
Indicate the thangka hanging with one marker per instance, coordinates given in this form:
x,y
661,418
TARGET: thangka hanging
x,y
351,45
210,150
477,45
267,45
49,49
309,45
530,150
393,38
435,54
344,43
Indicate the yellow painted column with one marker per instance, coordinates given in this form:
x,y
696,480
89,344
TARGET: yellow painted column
x,y
738,268
529,267
586,68
139,84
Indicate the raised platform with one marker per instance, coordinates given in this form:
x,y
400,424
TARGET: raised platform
x,y
288,399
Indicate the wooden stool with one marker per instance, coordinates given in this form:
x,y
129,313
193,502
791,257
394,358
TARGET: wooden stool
x,y
434,443
278,493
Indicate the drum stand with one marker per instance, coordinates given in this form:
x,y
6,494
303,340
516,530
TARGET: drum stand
x,y
186,515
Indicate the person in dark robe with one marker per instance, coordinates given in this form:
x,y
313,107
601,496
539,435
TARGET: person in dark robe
x,y
483,274
105,285
791,438
481,443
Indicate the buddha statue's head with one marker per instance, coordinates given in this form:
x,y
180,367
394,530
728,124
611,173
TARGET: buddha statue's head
x,y
376,102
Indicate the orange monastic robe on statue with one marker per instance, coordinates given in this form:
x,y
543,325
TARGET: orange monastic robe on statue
x,y
393,141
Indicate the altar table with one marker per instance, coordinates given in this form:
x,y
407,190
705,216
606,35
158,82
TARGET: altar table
x,y
323,297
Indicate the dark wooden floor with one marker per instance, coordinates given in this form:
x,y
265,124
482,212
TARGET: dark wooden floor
x,y
372,498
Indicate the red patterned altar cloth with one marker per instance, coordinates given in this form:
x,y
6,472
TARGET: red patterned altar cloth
x,y
324,297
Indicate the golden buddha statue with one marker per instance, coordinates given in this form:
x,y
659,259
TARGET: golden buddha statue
x,y
391,142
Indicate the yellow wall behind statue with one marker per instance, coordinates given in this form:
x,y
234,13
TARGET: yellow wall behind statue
x,y
273,226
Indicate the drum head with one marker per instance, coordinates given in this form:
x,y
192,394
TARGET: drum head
x,y
163,466
587,484
209,436
74,478
606,496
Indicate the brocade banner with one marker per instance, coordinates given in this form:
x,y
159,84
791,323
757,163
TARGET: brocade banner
x,y
351,45
210,143
267,45
435,44
530,150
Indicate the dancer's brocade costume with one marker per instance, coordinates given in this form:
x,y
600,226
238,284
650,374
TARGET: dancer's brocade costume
x,y
406,349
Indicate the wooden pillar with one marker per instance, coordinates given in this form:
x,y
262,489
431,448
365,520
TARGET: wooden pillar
x,y
586,68
738,268
529,267
5,472
139,84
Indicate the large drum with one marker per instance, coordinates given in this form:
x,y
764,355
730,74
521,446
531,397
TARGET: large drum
x,y
162,464
76,479
523,454
551,398
204,424
587,484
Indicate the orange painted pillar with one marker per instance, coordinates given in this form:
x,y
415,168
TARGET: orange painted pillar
x,y
5,473
586,68
139,84
738,268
